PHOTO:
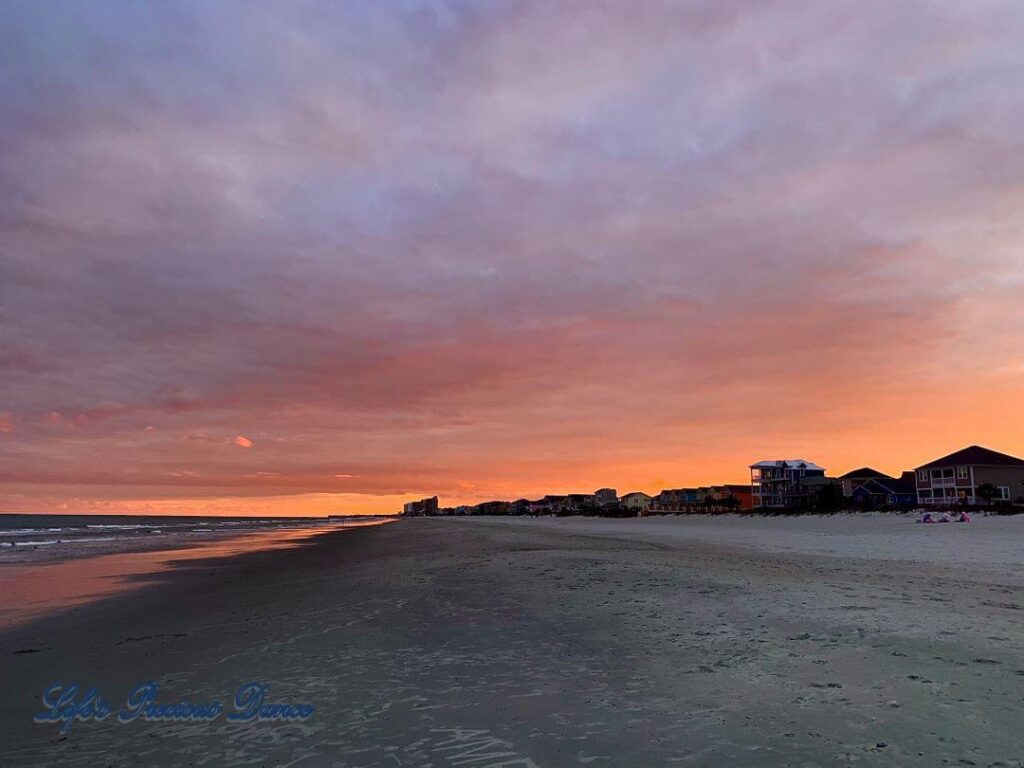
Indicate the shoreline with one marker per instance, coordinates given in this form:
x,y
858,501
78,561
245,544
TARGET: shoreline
x,y
136,533
36,588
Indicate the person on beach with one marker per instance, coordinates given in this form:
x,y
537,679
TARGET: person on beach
x,y
926,518
964,517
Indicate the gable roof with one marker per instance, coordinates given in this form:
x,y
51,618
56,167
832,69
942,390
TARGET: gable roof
x,y
904,485
873,486
976,454
865,472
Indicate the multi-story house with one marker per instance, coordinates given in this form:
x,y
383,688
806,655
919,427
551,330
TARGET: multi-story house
x,y
637,501
785,483
547,505
679,500
674,500
666,501
858,477
491,508
956,478
870,489
519,507
579,503
606,497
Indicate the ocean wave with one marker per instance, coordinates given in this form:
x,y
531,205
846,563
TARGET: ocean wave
x,y
33,531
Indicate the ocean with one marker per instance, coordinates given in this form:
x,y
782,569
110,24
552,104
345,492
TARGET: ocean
x,y
50,562
23,535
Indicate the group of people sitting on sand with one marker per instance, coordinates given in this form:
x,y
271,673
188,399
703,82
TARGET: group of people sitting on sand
x,y
945,517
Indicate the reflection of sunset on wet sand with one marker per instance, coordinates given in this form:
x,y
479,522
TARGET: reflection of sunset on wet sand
x,y
28,591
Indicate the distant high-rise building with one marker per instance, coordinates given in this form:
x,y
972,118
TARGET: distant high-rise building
x,y
421,507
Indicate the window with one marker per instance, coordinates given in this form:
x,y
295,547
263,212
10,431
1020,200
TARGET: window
x,y
1004,493
947,472
926,494
755,474
922,475
936,474
961,473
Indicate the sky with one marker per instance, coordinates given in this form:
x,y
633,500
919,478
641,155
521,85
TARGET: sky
x,y
313,258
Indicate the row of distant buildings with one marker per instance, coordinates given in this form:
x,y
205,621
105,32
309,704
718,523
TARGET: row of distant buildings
x,y
603,501
974,475
971,476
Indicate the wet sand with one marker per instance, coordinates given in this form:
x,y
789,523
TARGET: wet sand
x,y
29,589
493,642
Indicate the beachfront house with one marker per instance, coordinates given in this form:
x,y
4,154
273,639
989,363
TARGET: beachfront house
x,y
857,477
539,507
742,493
579,503
677,500
669,500
637,501
491,508
969,475
606,497
728,496
868,488
786,483
548,505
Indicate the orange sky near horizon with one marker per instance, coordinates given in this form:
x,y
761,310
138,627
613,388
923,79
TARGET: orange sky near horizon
x,y
329,259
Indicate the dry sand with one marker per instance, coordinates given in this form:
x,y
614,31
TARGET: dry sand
x,y
509,642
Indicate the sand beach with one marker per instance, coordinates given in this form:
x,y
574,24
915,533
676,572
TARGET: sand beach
x,y
690,641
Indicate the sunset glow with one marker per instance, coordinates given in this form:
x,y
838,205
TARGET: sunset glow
x,y
304,260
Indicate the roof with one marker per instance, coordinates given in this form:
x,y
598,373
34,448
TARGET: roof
x,y
744,487
865,472
904,485
797,463
976,454
873,486
636,493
